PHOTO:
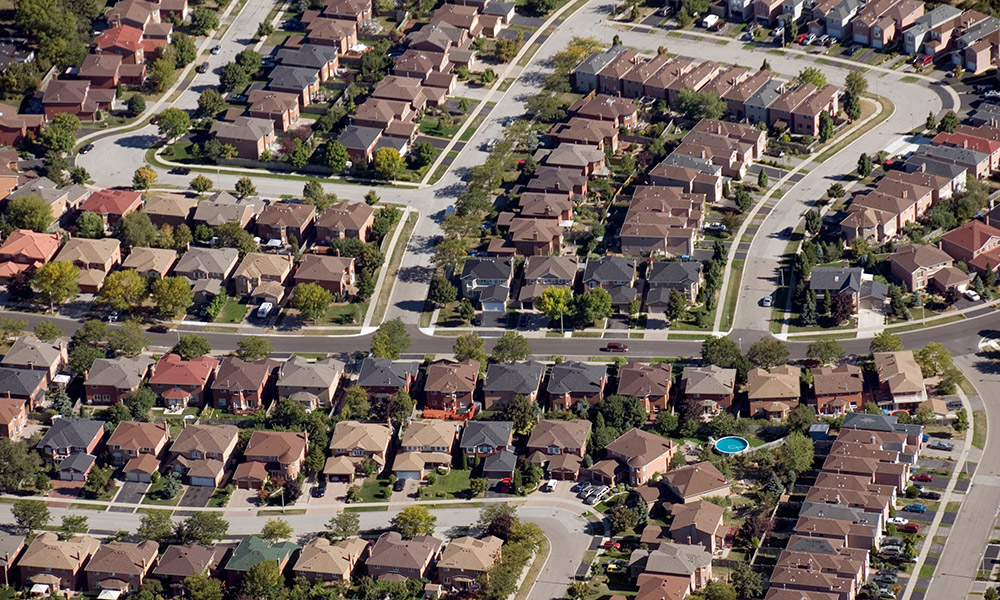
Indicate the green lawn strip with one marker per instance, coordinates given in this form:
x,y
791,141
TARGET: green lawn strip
x,y
471,129
927,571
528,55
536,568
968,388
365,508
76,506
732,293
931,323
393,269
887,109
232,312
979,430
372,489
267,512
453,485
909,79
153,494
681,336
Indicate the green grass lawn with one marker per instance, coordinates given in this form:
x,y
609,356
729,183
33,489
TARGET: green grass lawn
x,y
371,489
233,312
431,125
336,313
180,152
453,485
732,293
153,494
979,430
219,499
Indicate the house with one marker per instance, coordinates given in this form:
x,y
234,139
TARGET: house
x,y
120,566
164,208
425,445
333,273
773,394
180,562
108,71
322,560
201,453
573,382
60,199
360,142
57,565
479,274
250,136
223,207
975,162
920,266
383,378
124,41
132,438
15,127
504,382
437,36
345,220
29,352
181,383
110,380
877,24
252,551
358,10
584,76
380,113
76,97
420,63
135,13
695,482
112,205
485,438
354,444
11,547
837,390
634,457
975,243
341,34
632,81
403,89
737,96
94,258
530,237
691,563
24,251
667,277
901,382
806,115
689,180
312,382
587,160
578,130
991,147
621,112
151,263
939,18
324,59
262,276
649,383
862,290
207,265
71,436
281,452
757,108
392,557
615,274
560,444
13,417
24,384
304,82
280,107
450,389
557,180
698,523
711,387
766,11
725,81
243,387
466,559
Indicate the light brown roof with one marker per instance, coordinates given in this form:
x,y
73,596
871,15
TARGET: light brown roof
x,y
344,215
635,379
287,214
699,478
287,446
272,102
319,267
429,433
133,435
48,552
391,550
446,376
915,256
321,556
259,264
779,382
471,554
251,470
641,447
900,371
144,463
371,437
845,379
207,439
704,516
710,380
143,260
88,251
561,434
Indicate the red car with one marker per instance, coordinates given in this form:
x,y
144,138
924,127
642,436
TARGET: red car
x,y
926,61
801,38
922,477
908,528
612,545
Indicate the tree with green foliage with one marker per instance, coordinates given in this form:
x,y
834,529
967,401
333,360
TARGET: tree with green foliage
x,y
203,528
478,486
136,105
190,347
743,199
885,341
30,515
185,50
245,188
204,20
825,126
699,105
18,465
387,163
142,179
852,107
202,587
56,283
762,180
73,525
264,29
865,165
128,339
123,290
46,331
140,402
666,423
391,340
948,122
470,347
592,306
253,347
136,230
343,525
172,295
622,518
311,300
825,351
676,306
768,352
335,155
263,581
931,122
855,83
422,154
172,123
441,290
356,403
89,225
555,302
961,421
797,453
510,348
210,103
275,530
29,212
156,526
414,520
523,413
232,235
812,75
719,590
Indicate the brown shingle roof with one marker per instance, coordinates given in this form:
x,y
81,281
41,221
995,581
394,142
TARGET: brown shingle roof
x,y
696,479
133,435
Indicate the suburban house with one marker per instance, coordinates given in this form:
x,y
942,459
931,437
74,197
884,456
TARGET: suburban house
x,y
504,382
169,208
24,251
283,219
323,560
24,384
280,107
242,387
250,136
694,482
561,444
383,378
13,417
252,551
201,453
76,467
345,220
71,436
335,274
281,452
313,56
60,199
180,562
573,382
112,205
76,97
151,263
313,383
28,352
690,564
484,438
649,383
698,523
302,81
57,565
94,258
425,446
545,205
466,559
222,207
664,278
863,291
837,390
541,272
450,389
479,275
975,243
120,566
711,387
774,393
919,266
262,276
615,274
622,112
133,438
181,383
634,457
393,557
11,547
207,269
901,382
354,446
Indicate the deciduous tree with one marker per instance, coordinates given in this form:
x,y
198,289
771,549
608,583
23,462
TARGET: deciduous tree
x,y
312,300
172,295
391,340
414,520
253,347
56,282
510,348
123,290
30,515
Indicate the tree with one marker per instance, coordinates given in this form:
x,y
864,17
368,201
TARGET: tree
x,y
18,465
814,221
991,594
143,178
797,453
136,105
128,339
843,308
172,295
210,103
312,300
470,346
204,20
698,105
136,230
931,122
441,291
593,306
666,423
510,348
80,176
852,107
156,526
46,331
422,154
263,581
30,515
172,123
89,225
264,29
948,122
245,188
812,75
855,83
204,528
555,302
825,126
343,525
335,155
56,282
762,178
391,340
231,235
387,162
743,199
825,351
139,402
233,78
865,166
676,306
185,50
478,486
356,404
123,290
29,212
719,590
202,587
768,352
190,347
72,525
162,73
414,520
249,60
253,347
622,518
523,413
934,359
961,421
885,341
275,530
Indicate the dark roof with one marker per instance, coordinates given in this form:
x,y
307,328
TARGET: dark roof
x,y
498,8
576,377
487,268
308,55
494,293
504,461
608,269
598,60
878,423
927,164
21,382
293,78
674,275
382,372
520,378
71,432
489,433
836,279
359,137
874,290
767,94
79,461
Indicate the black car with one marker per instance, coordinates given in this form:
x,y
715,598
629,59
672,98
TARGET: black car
x,y
158,329
930,495
86,148
318,491
399,485
180,171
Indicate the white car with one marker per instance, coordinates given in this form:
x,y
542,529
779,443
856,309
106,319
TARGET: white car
x,y
549,486
216,50
264,310
898,521
972,295
715,227
768,300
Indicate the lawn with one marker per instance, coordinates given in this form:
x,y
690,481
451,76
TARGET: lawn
x,y
732,293
453,485
153,494
431,125
219,499
979,430
372,489
232,312
392,268
337,313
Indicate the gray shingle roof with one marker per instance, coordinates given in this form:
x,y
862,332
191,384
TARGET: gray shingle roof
x,y
488,433
952,154
927,164
576,377
495,293
382,372
503,461
308,55
674,275
291,78
487,268
121,372
20,382
357,137
598,60
766,95
519,378
71,432
836,279
79,461
609,269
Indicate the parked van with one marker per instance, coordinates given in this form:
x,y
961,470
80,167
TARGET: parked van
x,y
709,20
549,486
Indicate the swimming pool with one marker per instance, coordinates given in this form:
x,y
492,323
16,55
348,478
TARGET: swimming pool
x,y
731,445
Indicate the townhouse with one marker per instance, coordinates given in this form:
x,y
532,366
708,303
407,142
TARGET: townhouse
x,y
975,243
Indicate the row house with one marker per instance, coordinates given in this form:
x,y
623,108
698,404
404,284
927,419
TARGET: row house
x,y
878,23
738,95
689,180
932,27
609,78
634,80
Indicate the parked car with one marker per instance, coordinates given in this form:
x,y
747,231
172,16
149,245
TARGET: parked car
x,y
158,329
616,347
585,490
778,31
922,477
886,579
809,39
909,528
716,226
549,486
216,49
615,567
802,37
939,445
399,485
112,316
180,171
915,508
202,68
930,495
767,300
972,295
898,520
612,545
264,310
318,491
821,40
926,60
892,541
86,148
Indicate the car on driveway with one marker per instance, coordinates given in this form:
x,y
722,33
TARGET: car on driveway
x,y
318,491
615,567
802,37
399,485
930,495
898,521
767,301
612,545
909,528
939,445
886,579
972,295
922,477
915,508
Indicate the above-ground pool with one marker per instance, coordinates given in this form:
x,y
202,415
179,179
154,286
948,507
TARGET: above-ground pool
x,y
731,445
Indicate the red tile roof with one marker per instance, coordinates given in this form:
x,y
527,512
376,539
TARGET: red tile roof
x,y
112,202
173,370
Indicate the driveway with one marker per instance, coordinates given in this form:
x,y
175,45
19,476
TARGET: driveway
x,y
870,320
196,495
131,492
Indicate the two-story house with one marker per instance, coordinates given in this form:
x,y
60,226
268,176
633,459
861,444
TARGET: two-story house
x,y
392,556
382,378
573,382
559,446
355,448
450,389
57,565
310,382
281,452
71,436
181,383
504,382
109,380
201,453
484,438
243,387
120,566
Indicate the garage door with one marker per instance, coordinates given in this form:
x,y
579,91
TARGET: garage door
x,y
203,481
408,475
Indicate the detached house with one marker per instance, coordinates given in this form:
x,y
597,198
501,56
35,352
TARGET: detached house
x,y
711,387
13,417
633,458
450,389
71,436
560,446
57,565
648,383
485,438
281,453
180,562
201,453
112,205
573,382
322,560
901,382
76,97
692,483
262,276
280,107
24,251
281,220
250,136
132,438
345,220
181,383
121,566
254,550
354,443
466,559
94,258
921,266
336,274
312,383
504,382
425,446
393,557
151,263
242,387
30,353
383,378
773,394
975,243
837,390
